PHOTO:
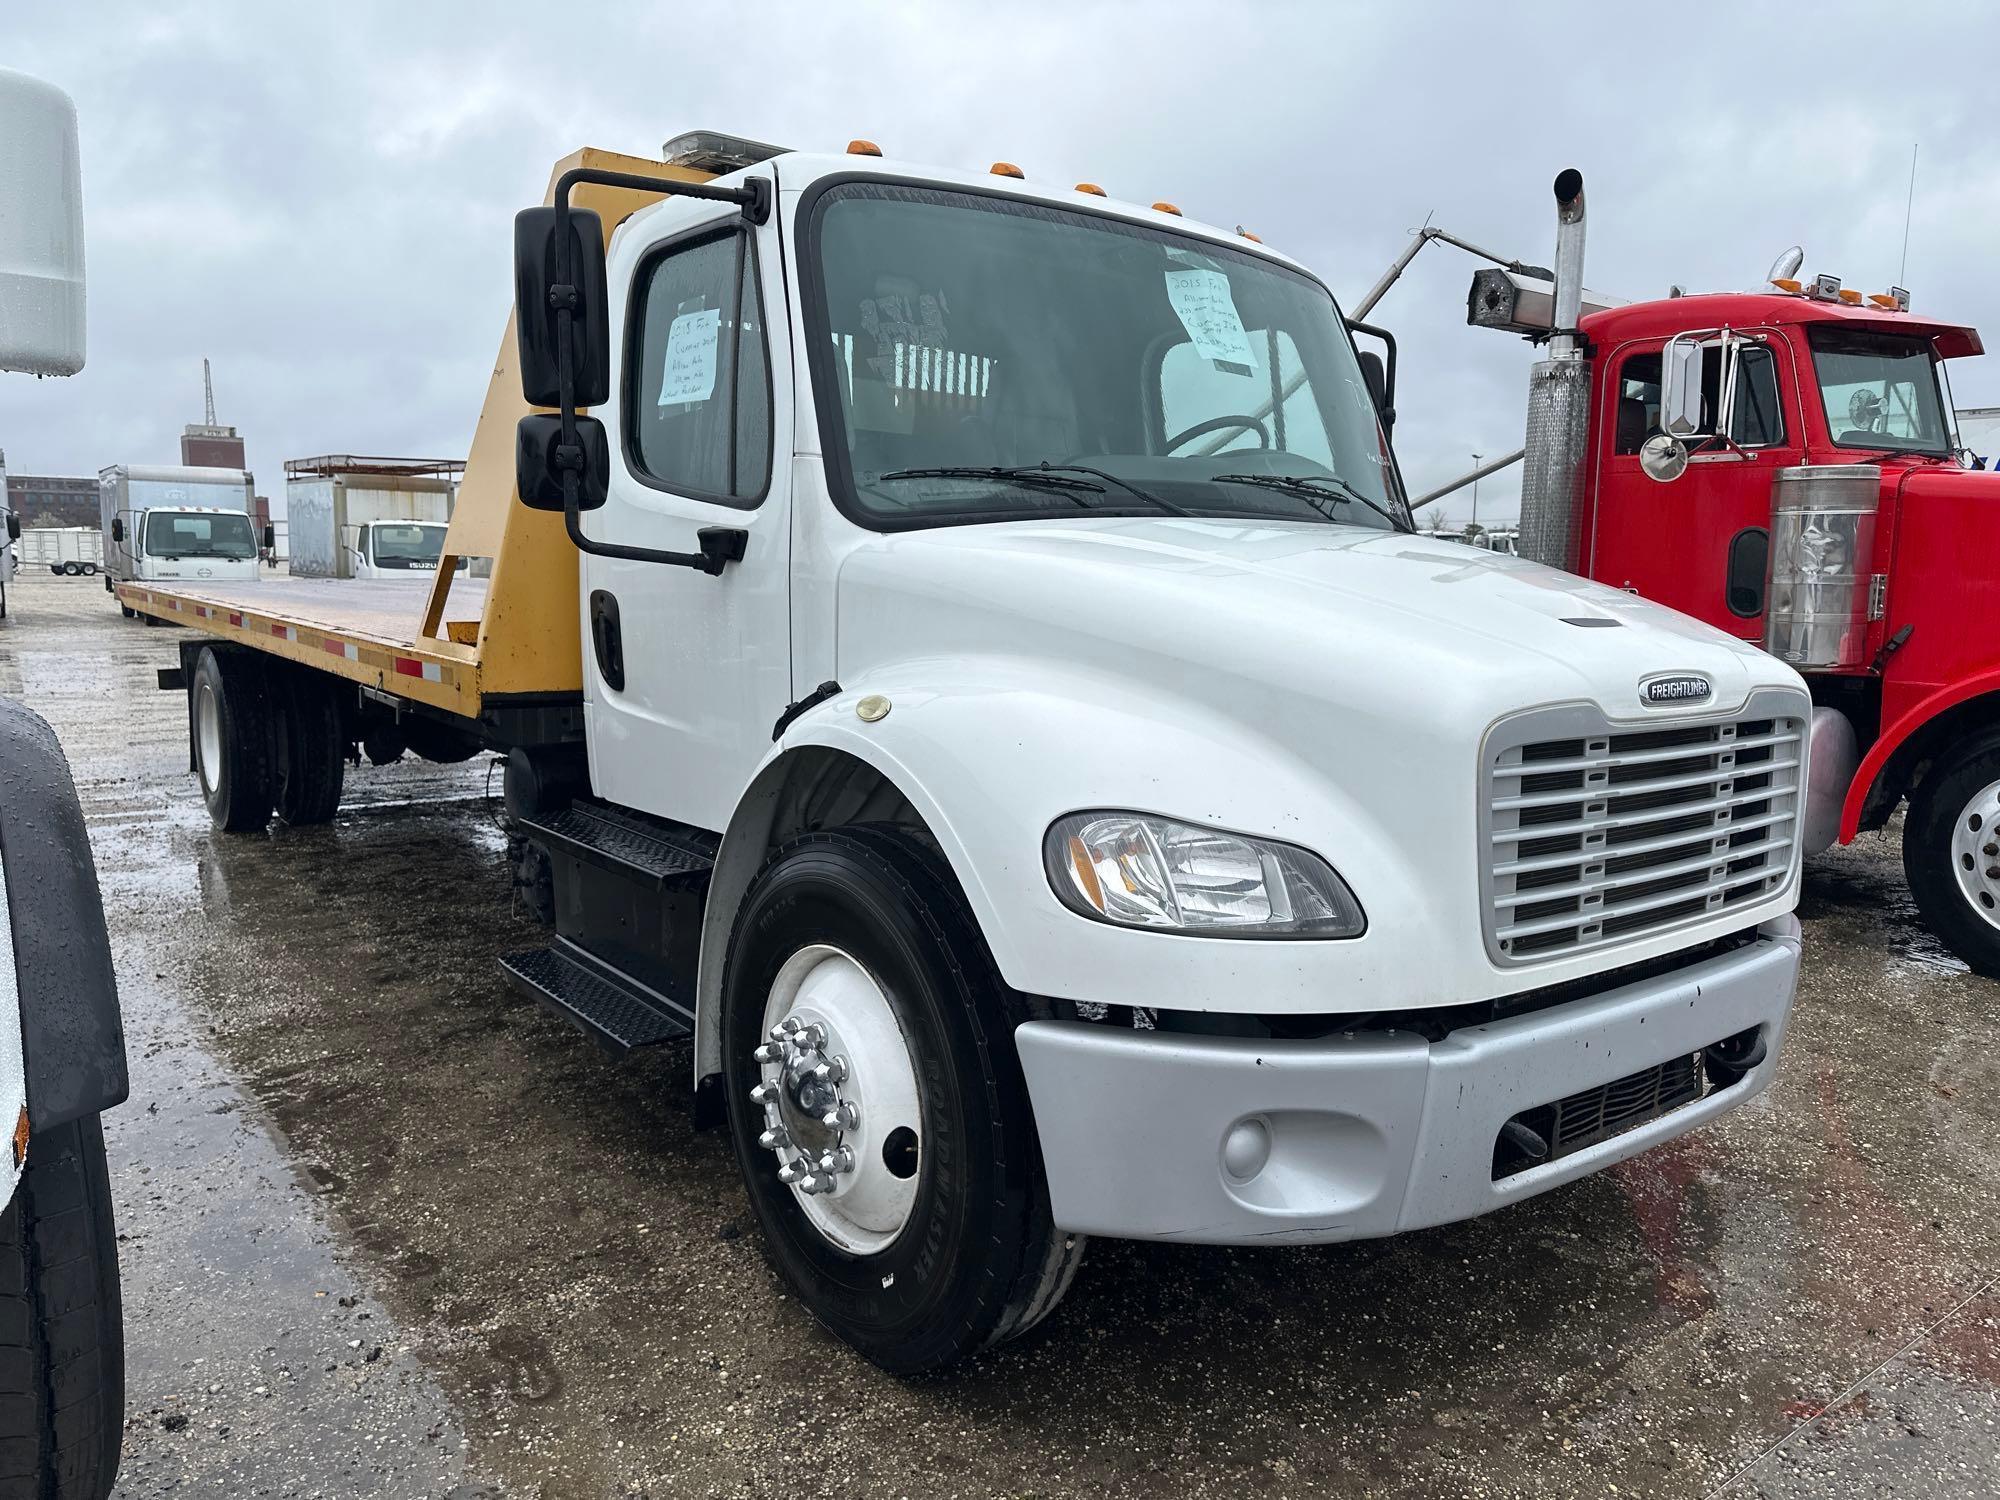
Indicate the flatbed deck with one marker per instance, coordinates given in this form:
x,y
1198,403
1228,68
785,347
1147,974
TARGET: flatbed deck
x,y
369,631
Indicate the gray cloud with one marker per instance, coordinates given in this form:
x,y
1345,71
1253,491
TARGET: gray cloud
x,y
318,199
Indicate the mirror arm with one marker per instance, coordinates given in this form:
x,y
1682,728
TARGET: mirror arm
x,y
720,545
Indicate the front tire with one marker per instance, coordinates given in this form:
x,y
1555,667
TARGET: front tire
x,y
1951,852
62,1341
949,1246
232,739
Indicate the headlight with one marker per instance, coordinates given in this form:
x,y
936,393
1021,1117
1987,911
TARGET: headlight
x,y
1141,871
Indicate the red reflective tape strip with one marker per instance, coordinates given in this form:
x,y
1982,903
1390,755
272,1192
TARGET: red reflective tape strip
x,y
277,630
337,648
235,618
409,666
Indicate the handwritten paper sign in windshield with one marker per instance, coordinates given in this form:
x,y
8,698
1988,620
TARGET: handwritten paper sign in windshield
x,y
691,345
1202,302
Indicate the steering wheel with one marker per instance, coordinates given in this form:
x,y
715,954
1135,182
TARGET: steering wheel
x,y
1222,424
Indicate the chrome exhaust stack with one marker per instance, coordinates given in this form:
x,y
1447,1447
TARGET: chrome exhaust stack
x,y
1559,403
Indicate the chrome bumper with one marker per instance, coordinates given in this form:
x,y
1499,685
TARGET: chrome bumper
x,y
1147,1135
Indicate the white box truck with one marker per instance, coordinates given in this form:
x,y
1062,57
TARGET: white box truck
x,y
352,517
1040,825
169,522
67,551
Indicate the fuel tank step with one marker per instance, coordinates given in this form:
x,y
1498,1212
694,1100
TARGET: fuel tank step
x,y
655,855
612,1008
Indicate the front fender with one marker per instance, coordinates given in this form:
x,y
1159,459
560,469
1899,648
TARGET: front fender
x,y
1894,736
62,1046
992,753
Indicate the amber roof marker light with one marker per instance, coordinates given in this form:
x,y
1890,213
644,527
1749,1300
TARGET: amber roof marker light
x,y
858,147
1006,169
1091,188
1164,207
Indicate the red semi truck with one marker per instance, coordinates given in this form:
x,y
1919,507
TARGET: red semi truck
x,y
1782,464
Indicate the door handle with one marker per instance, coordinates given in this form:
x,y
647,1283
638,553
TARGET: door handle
x,y
607,640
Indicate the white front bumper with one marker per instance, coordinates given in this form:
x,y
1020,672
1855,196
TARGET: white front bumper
x,y
1371,1133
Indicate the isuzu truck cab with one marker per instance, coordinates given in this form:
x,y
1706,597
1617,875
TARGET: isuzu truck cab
x,y
1043,828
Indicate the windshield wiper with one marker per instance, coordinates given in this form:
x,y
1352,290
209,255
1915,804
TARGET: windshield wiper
x,y
1045,467
1314,489
1027,478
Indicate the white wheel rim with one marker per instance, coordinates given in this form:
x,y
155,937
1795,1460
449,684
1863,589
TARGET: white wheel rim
x,y
207,734
1975,853
862,1204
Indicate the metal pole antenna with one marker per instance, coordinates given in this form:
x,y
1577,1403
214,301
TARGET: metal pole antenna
x,y
1475,489
1903,271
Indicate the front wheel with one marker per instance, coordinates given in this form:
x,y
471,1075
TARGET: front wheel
x,y
877,1106
62,1341
1951,852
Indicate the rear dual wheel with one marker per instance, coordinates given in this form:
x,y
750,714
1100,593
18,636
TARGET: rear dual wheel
x,y
877,1106
267,737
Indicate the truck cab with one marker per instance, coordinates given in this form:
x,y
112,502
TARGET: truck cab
x,y
166,542
394,548
1814,501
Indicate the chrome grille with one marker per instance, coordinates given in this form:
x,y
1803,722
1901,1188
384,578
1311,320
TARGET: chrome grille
x,y
1600,834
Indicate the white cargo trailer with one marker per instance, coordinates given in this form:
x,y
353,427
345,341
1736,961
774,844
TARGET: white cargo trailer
x,y
352,517
64,550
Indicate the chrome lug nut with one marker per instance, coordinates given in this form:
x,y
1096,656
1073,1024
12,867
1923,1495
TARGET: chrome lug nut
x,y
768,1053
834,1070
777,1138
792,1171
836,1161
764,1093
783,1029
842,1117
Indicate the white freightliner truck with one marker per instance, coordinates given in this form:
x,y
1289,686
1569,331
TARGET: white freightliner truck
x,y
168,521
1042,826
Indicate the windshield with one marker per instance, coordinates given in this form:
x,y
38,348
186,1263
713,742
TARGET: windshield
x,y
1880,390
1151,372
171,533
401,545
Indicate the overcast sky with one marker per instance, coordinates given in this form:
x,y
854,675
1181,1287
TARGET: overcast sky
x,y
318,198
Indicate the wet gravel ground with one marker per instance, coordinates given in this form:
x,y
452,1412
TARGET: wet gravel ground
x,y
389,1230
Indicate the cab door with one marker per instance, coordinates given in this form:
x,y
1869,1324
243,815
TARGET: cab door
x,y
686,672
1699,543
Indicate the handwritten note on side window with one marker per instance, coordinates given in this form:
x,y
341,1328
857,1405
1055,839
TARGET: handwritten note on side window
x,y
1202,302
691,345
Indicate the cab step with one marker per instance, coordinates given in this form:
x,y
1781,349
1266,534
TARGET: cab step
x,y
654,855
615,1010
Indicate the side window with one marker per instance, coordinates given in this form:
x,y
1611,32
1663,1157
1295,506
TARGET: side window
x,y
1757,421
1194,390
1638,401
697,387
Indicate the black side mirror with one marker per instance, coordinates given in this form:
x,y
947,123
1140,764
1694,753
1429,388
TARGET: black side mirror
x,y
539,283
270,537
13,527
539,477
1377,376
117,528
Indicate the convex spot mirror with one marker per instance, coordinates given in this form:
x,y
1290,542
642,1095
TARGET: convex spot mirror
x,y
1663,458
538,271
536,473
13,527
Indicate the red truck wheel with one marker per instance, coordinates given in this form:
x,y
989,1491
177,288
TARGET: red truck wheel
x,y
1951,852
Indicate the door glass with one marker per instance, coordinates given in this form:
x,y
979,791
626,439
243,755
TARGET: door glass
x,y
697,399
1756,421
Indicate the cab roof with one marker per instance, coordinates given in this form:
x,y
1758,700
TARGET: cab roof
x,y
1663,318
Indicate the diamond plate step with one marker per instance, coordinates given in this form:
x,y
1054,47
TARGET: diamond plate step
x,y
614,1009
642,851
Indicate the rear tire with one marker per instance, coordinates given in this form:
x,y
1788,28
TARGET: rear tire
x,y
228,703
1954,818
309,749
62,1341
70,570
976,1258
